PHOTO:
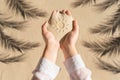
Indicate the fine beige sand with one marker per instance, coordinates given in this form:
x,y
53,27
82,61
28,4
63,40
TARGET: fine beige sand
x,y
87,18
60,24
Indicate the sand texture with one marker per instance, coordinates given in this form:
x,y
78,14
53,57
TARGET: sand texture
x,y
87,16
60,24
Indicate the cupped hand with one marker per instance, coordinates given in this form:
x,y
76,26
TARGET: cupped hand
x,y
48,36
70,39
52,45
68,42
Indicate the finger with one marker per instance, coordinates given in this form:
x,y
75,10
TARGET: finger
x,y
75,26
68,12
54,12
44,27
63,39
63,11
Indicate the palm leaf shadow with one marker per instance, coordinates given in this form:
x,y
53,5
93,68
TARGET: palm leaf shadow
x,y
6,23
106,4
23,8
115,69
14,59
110,26
9,43
12,24
110,47
82,3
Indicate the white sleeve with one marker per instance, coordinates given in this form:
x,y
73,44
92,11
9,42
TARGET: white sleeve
x,y
47,70
76,68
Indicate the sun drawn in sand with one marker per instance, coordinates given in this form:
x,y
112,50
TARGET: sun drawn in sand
x,y
61,26
62,23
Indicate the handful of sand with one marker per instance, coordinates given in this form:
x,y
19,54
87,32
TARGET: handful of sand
x,y
60,24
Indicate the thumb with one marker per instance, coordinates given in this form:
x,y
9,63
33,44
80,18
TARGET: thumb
x,y
44,27
75,26
53,13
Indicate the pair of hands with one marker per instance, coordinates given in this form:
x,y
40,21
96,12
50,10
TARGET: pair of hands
x,y
67,43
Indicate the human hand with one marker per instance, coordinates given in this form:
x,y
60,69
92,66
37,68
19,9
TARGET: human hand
x,y
68,42
52,45
48,36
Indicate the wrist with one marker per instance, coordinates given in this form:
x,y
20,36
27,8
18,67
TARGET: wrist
x,y
51,52
70,51
50,55
53,45
68,48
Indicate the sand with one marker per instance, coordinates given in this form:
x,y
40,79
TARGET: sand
x,y
87,18
60,24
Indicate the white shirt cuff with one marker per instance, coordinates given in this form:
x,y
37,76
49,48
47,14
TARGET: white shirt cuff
x,y
74,63
49,68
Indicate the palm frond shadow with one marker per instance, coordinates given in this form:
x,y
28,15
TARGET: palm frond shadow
x,y
82,3
106,4
114,68
110,47
9,43
15,59
110,26
6,23
24,9
12,24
